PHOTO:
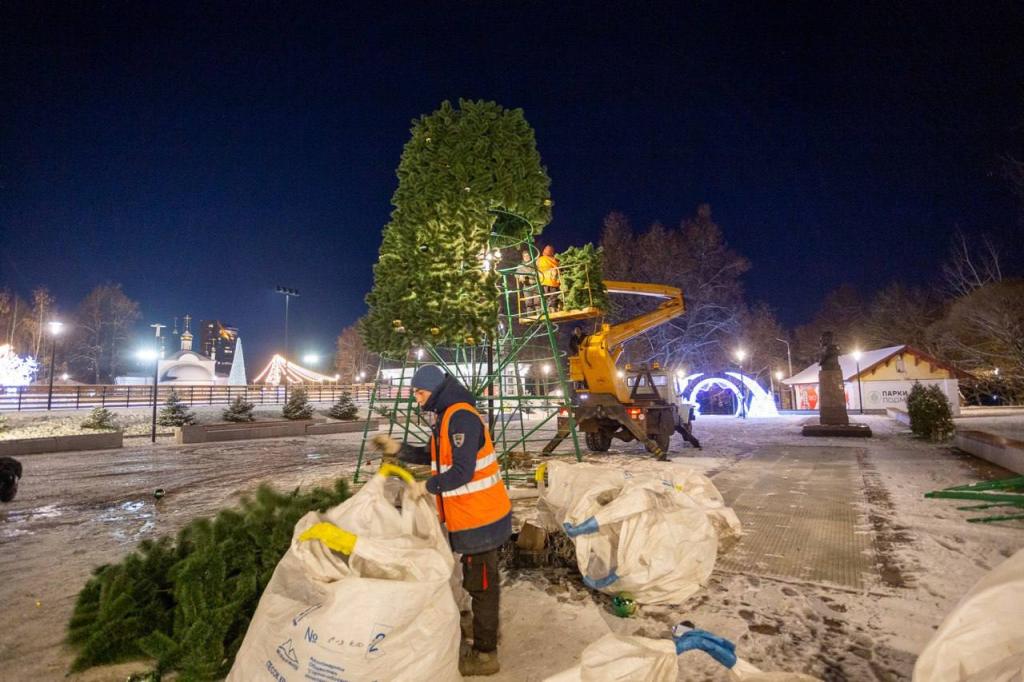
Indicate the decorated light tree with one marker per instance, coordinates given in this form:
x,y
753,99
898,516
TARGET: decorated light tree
x,y
449,283
434,282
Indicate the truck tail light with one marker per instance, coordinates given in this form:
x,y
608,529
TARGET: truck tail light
x,y
635,413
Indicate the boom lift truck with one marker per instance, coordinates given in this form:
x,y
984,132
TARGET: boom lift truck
x,y
611,404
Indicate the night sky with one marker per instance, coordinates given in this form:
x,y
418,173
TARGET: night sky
x,y
202,155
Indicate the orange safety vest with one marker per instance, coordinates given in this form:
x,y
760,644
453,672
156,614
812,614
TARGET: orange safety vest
x,y
481,501
548,268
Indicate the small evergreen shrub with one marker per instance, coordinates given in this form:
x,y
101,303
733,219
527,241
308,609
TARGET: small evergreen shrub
x,y
239,411
344,408
100,419
175,412
930,414
298,405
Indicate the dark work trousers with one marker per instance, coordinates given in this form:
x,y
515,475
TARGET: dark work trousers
x,y
480,579
554,301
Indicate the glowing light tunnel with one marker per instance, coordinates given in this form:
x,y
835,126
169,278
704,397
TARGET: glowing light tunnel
x,y
759,402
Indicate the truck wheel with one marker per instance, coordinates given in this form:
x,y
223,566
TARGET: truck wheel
x,y
662,440
598,441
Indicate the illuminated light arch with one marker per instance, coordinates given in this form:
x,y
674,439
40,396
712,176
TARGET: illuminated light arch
x,y
759,401
279,370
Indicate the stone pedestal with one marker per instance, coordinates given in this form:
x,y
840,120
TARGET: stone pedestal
x,y
832,398
832,410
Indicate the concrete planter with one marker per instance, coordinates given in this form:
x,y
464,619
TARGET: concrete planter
x,y
215,433
326,428
281,428
103,440
1006,452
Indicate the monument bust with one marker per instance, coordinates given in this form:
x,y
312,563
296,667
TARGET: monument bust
x,y
829,352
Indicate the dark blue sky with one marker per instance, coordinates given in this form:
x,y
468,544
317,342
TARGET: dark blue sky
x,y
202,154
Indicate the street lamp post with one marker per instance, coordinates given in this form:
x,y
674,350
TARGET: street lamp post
x,y
860,394
55,329
288,294
789,360
156,377
741,355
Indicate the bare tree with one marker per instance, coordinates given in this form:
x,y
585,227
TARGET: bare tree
x,y
17,325
901,315
842,313
353,357
984,333
102,323
968,268
42,303
694,257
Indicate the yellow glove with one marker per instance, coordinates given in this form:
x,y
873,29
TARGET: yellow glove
x,y
387,445
416,489
333,537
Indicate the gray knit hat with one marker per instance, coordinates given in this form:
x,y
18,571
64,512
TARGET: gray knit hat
x,y
428,378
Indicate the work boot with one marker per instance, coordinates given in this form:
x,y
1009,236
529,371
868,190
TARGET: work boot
x,y
474,663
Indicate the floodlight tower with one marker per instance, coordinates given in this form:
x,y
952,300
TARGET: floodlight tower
x,y
288,294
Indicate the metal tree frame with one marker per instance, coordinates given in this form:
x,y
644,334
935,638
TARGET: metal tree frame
x,y
493,371
1008,492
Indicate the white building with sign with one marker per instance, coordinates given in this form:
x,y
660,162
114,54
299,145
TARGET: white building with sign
x,y
880,378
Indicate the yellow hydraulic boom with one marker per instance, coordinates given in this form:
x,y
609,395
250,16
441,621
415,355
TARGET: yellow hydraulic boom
x,y
595,363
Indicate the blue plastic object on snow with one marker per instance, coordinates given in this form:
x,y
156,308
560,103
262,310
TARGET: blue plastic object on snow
x,y
719,648
600,583
583,528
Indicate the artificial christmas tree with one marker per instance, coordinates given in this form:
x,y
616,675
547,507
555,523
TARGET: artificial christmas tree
x,y
582,276
344,408
175,412
298,406
239,411
237,375
435,281
100,419
187,603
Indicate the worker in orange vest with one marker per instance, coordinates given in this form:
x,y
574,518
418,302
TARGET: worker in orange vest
x,y
471,500
547,267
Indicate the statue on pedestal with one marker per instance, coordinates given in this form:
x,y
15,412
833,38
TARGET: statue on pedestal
x,y
831,390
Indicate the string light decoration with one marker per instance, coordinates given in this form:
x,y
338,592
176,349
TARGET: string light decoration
x,y
16,370
279,370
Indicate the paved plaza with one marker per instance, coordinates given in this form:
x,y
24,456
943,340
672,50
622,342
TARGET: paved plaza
x,y
843,571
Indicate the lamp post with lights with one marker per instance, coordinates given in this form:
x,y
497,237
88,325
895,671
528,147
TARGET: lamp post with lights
x,y
860,395
288,294
154,355
741,355
55,330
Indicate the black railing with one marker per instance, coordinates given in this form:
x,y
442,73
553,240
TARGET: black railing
x,y
25,398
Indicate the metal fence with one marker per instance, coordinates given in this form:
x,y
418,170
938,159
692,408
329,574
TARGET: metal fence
x,y
25,398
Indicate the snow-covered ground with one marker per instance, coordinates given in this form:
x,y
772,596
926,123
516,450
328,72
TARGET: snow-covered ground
x,y
78,510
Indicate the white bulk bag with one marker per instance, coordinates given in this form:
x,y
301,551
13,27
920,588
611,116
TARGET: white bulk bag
x,y
562,489
641,659
983,637
624,659
645,537
386,612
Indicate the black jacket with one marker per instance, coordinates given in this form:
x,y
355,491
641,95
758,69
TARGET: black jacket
x,y
471,429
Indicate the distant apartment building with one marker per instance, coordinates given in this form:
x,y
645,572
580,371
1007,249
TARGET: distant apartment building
x,y
217,341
